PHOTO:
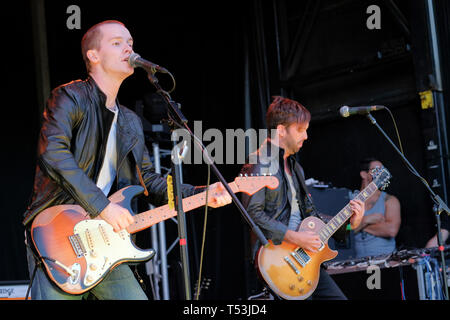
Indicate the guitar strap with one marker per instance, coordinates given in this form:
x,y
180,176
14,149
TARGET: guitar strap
x,y
141,180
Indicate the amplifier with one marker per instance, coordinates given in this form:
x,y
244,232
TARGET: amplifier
x,y
13,290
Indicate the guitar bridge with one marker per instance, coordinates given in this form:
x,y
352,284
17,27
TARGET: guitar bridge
x,y
77,245
292,265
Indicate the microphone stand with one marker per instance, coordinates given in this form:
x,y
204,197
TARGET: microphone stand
x,y
177,118
438,207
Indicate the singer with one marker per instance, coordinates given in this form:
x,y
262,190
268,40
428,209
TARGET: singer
x,y
91,146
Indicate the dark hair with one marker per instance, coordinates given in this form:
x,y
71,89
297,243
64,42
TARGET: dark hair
x,y
286,111
364,165
92,38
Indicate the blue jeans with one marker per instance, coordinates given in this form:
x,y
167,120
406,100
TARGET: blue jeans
x,y
119,284
367,244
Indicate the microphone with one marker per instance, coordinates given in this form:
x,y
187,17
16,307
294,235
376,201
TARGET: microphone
x,y
136,61
346,111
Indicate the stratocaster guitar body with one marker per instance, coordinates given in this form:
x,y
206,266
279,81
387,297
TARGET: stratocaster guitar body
x,y
291,272
89,248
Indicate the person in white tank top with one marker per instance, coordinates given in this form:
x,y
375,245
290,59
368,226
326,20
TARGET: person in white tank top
x,y
382,218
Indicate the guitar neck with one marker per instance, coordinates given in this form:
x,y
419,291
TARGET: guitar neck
x,y
342,216
148,218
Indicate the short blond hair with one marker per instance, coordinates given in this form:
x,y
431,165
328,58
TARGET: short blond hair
x,y
92,39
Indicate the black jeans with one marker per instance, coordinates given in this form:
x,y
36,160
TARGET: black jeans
x,y
327,289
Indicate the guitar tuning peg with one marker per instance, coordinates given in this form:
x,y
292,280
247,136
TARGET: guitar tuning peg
x,y
251,174
240,174
246,175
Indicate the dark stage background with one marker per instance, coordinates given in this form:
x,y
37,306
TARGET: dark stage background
x,y
228,59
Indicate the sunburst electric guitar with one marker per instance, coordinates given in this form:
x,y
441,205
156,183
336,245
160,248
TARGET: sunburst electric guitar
x,y
78,252
292,272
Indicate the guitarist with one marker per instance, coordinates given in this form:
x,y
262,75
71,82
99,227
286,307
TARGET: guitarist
x,y
89,147
279,212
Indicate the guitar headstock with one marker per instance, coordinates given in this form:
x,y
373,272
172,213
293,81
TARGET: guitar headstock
x,y
251,184
381,177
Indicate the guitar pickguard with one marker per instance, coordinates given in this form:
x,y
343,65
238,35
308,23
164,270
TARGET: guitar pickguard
x,y
104,248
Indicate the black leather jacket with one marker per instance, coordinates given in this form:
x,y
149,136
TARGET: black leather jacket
x,y
271,209
71,149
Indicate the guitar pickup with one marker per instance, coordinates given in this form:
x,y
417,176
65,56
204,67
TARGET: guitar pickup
x,y
303,255
321,246
297,258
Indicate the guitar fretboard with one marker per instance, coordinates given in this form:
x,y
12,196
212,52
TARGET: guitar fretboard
x,y
342,216
148,218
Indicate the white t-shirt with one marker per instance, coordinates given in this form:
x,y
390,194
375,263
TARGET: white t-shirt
x,y
109,166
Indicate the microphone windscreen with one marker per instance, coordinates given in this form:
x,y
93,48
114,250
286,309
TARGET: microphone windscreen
x,y
344,111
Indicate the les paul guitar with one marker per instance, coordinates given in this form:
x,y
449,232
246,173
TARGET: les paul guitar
x,y
78,252
292,272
